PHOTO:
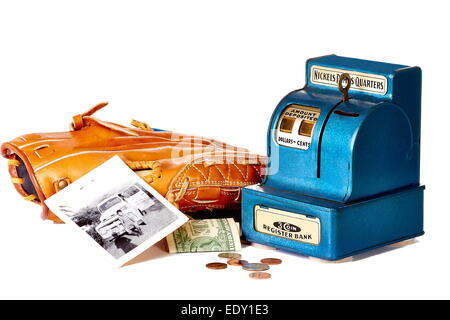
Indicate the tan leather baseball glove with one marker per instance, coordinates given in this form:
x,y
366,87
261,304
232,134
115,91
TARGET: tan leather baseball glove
x,y
193,173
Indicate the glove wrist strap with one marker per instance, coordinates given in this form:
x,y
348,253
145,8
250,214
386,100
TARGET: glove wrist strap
x,y
78,123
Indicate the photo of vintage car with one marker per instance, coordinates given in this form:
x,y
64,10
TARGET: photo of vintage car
x,y
111,228
115,211
138,198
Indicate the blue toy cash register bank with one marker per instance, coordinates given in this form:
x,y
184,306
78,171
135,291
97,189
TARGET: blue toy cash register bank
x,y
343,174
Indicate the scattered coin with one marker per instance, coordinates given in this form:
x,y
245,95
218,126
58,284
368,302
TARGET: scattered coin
x,y
260,275
271,261
216,265
255,267
237,262
229,255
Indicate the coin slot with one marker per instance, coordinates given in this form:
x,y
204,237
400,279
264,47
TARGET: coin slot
x,y
306,128
287,124
346,114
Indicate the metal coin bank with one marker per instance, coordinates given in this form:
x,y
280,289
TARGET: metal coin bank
x,y
344,162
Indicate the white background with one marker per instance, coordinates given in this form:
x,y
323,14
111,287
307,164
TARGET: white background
x,y
216,69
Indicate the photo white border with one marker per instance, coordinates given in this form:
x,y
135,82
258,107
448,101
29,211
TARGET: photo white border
x,y
181,218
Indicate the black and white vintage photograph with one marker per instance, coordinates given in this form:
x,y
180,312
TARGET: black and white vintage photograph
x,y
124,218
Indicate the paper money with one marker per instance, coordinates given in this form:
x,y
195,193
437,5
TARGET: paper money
x,y
213,235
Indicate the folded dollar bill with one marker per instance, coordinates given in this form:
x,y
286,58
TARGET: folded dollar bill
x,y
214,235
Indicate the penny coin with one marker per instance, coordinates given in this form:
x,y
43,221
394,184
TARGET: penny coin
x,y
271,261
229,255
255,267
237,262
216,265
260,275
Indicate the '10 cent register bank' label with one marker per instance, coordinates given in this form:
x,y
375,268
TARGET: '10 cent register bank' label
x,y
287,225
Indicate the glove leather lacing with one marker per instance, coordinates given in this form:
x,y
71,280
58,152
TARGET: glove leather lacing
x,y
17,180
175,198
151,170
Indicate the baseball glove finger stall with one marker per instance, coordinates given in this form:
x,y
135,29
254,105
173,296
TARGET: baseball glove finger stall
x,y
193,173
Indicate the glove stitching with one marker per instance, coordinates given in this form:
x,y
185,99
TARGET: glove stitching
x,y
193,166
242,174
216,206
229,193
209,173
220,172
180,176
257,171
188,201
197,184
